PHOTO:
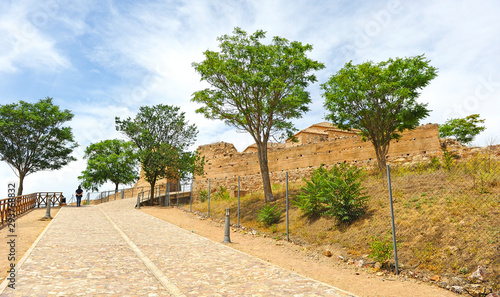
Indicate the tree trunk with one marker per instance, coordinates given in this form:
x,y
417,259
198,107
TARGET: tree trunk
x,y
381,153
152,194
20,188
264,170
116,187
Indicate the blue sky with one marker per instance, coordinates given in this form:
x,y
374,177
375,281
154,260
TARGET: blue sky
x,y
103,59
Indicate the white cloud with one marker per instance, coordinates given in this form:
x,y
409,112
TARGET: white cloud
x,y
145,50
23,44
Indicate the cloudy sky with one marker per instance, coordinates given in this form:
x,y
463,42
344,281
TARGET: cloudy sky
x,y
102,59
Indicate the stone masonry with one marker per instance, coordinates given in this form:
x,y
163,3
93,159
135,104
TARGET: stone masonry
x,y
319,144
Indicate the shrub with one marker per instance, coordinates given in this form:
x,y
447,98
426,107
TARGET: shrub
x,y
343,195
336,193
203,195
222,194
309,200
381,250
269,215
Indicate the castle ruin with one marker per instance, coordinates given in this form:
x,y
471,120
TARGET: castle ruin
x,y
320,144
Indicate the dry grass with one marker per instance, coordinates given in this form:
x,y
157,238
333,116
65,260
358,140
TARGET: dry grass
x,y
447,221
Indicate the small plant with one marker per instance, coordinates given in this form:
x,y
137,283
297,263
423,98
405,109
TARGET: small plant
x,y
222,194
381,250
274,229
269,215
448,160
203,195
435,163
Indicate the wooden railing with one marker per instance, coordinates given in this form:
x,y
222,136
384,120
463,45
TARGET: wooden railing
x,y
21,204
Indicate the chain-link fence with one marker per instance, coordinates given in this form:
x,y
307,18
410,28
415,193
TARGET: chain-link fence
x,y
446,216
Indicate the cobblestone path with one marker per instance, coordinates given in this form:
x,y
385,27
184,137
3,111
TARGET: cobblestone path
x,y
115,250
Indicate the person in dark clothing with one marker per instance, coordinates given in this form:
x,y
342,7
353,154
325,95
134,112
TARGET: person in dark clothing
x,y
79,194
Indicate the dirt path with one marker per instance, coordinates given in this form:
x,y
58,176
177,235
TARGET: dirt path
x,y
28,227
300,260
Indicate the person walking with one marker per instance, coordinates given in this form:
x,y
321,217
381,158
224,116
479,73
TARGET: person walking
x,y
79,194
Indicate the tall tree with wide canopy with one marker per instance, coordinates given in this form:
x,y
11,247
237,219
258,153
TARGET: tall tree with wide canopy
x,y
32,137
111,160
379,99
163,136
256,88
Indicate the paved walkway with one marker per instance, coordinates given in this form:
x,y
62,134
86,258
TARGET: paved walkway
x,y
115,250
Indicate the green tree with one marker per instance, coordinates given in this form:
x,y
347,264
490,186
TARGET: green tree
x,y
163,136
379,99
33,139
111,160
256,88
463,130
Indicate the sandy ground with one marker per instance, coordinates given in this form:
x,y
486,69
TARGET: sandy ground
x,y
281,253
299,259
27,228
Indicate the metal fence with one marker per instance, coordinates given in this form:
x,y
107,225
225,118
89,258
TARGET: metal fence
x,y
446,213
169,194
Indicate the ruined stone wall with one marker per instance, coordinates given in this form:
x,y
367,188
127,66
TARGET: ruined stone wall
x,y
224,163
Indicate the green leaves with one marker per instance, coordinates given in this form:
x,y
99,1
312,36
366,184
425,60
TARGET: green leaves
x,y
334,193
162,135
463,130
255,87
32,137
379,99
110,160
269,214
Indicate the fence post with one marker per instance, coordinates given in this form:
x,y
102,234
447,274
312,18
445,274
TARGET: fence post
x,y
138,201
88,199
238,202
392,220
209,198
123,194
287,213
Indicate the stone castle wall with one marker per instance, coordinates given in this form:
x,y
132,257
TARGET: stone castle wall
x,y
224,164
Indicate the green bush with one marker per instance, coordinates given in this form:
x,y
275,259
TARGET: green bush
x,y
335,193
203,195
343,195
222,194
309,201
381,250
269,215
